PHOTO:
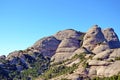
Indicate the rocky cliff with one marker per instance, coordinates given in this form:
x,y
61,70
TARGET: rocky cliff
x,y
68,54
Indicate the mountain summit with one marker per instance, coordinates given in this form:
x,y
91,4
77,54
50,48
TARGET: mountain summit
x,y
66,55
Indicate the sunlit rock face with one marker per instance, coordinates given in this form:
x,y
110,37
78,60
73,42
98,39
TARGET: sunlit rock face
x,y
111,38
47,46
96,53
93,37
65,49
69,33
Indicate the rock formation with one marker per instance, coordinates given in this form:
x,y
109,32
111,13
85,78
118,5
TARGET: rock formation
x,y
111,38
70,41
69,53
65,49
69,33
93,37
47,46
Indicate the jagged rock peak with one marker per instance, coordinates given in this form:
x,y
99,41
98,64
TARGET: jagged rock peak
x,y
110,29
95,26
68,33
111,38
93,37
110,34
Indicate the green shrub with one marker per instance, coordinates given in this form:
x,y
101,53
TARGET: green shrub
x,y
82,36
99,59
111,60
117,58
81,39
85,65
57,71
81,56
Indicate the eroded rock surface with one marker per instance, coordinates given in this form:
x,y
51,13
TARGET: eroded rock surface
x,y
47,46
111,38
101,49
66,49
69,33
93,37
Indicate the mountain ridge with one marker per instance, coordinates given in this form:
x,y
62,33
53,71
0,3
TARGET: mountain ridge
x,y
88,55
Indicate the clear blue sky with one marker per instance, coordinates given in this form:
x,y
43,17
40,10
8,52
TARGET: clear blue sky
x,y
22,22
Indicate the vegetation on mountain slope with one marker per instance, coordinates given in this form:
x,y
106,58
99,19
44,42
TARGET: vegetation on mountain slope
x,y
33,66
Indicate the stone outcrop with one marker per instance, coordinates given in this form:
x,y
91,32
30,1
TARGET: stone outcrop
x,y
106,71
66,49
69,33
103,55
70,41
79,51
115,53
101,50
47,46
93,37
111,38
15,54
109,70
98,63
